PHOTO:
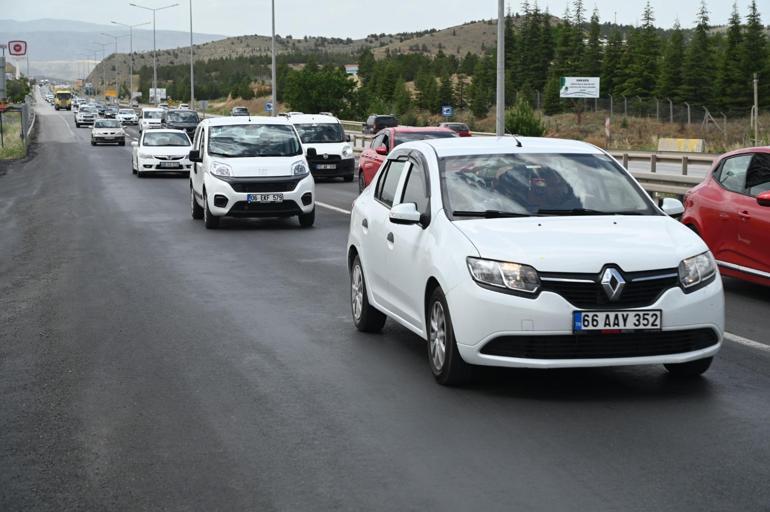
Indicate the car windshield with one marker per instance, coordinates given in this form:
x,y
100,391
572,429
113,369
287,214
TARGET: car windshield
x,y
87,110
183,117
165,139
253,140
152,114
127,111
319,133
539,184
107,124
413,136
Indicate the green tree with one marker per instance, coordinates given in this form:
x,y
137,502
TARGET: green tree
x,y
522,120
611,62
732,85
592,57
446,94
402,99
670,82
698,72
642,58
755,56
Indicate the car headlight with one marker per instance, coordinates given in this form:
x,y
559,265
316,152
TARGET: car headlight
x,y
145,155
501,274
697,270
299,168
221,169
347,151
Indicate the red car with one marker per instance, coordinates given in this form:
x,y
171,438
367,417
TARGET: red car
x,y
387,139
730,210
460,128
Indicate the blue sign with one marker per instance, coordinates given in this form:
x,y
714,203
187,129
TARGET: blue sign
x,y
447,111
269,106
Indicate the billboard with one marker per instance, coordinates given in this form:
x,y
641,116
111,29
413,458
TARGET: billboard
x,y
161,94
579,87
17,48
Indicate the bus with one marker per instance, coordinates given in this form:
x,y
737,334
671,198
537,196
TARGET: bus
x,y
63,99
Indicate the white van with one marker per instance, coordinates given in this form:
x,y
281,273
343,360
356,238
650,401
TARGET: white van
x,y
246,167
334,154
151,118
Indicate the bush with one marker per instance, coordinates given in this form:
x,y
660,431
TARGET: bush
x,y
522,120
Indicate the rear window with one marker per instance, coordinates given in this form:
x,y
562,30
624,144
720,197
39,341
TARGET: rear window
x,y
413,136
386,121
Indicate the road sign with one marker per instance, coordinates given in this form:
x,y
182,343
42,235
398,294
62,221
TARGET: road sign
x,y
579,87
447,111
110,93
269,107
17,48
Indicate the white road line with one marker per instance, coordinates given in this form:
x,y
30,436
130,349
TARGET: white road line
x,y
747,342
333,208
67,125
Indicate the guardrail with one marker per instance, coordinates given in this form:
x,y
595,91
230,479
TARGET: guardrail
x,y
684,159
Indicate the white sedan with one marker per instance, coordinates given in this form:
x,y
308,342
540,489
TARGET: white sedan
x,y
530,252
161,151
108,131
127,116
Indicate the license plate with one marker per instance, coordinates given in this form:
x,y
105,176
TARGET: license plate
x,y
265,198
169,165
651,320
327,166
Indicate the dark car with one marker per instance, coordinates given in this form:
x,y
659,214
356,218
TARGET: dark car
x,y
460,129
180,119
239,111
100,109
375,123
111,112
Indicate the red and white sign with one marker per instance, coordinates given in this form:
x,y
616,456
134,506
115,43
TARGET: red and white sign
x,y
17,48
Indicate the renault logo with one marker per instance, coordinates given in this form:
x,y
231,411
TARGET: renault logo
x,y
613,284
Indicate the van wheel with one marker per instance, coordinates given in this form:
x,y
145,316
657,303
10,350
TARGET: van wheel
x,y
691,369
210,220
306,220
448,367
365,317
196,209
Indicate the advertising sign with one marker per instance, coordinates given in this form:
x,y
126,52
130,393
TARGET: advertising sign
x,y
161,94
579,87
17,48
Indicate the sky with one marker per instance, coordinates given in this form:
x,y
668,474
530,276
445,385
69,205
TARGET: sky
x,y
346,18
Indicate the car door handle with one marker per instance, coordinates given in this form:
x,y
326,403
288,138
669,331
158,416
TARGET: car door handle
x,y
744,214
365,223
390,237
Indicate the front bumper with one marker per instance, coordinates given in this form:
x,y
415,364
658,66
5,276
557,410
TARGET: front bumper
x,y
229,197
497,329
332,167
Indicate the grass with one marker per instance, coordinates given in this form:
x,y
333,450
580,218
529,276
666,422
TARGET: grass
x,y
13,146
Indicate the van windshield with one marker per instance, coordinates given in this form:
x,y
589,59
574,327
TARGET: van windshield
x,y
152,114
320,133
253,140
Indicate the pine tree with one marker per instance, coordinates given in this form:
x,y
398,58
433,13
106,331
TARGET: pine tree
x,y
592,57
755,55
641,60
402,100
732,85
670,81
699,65
446,95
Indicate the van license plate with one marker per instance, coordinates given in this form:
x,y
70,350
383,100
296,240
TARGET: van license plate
x,y
650,320
322,167
264,198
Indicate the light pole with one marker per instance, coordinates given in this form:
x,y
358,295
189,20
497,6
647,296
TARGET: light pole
x,y
117,85
104,76
192,75
274,84
154,50
131,56
500,68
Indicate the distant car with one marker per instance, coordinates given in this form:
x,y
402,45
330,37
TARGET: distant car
x,y
151,118
164,106
460,129
100,109
730,210
239,111
161,150
375,123
186,120
334,155
86,114
110,112
372,157
127,116
108,130
183,106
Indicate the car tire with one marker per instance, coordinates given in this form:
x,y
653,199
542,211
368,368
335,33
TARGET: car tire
x,y
348,179
446,363
690,369
361,181
77,125
366,318
122,142
306,220
93,142
195,209
210,220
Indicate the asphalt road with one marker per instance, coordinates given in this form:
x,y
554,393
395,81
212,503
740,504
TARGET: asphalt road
x,y
149,364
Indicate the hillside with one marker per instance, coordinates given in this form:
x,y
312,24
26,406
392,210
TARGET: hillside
x,y
474,37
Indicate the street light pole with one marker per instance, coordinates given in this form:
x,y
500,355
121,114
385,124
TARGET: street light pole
x,y
192,74
131,55
117,85
500,68
104,73
154,49
274,84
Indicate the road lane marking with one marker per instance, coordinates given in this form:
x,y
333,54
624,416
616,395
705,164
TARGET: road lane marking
x,y
333,208
67,125
747,342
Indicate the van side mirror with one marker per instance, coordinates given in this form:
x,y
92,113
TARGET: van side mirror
x,y
763,199
672,207
311,153
195,156
135,144
347,137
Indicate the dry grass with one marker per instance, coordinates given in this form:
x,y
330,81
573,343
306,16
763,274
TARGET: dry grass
x,y
13,146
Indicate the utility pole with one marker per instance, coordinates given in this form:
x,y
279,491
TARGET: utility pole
x,y
274,83
131,56
104,67
192,75
117,84
500,111
154,47
756,110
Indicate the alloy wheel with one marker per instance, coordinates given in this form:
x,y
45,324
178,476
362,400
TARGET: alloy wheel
x,y
437,336
357,292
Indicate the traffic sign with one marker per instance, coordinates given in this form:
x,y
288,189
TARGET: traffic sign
x,y
447,111
579,87
269,106
17,48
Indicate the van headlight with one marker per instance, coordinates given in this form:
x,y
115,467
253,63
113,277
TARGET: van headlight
x,y
299,168
220,169
347,151
502,274
698,270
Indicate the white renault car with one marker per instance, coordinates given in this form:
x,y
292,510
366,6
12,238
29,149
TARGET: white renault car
x,y
108,131
151,118
127,116
160,150
530,252
334,153
250,167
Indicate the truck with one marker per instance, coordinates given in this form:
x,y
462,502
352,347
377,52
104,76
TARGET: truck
x,y
63,99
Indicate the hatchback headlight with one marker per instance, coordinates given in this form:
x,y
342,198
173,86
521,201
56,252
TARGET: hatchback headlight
x,y
299,168
347,151
501,274
220,169
697,270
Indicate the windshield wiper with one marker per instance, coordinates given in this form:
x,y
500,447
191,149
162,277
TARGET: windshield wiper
x,y
585,211
489,214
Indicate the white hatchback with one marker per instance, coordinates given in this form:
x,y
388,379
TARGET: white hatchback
x,y
160,150
538,253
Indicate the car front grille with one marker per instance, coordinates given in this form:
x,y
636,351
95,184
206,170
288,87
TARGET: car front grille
x,y
249,185
282,209
319,159
601,346
169,157
585,290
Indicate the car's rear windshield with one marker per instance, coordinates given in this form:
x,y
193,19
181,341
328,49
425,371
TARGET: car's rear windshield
x,y
253,140
152,114
165,139
540,184
183,117
320,133
413,136
107,123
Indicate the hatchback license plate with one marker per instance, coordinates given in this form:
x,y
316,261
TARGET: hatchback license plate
x,y
264,198
650,320
169,165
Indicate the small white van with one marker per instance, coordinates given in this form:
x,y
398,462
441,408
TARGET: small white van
x,y
334,153
151,118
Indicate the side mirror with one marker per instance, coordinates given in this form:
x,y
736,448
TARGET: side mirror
x,y
195,156
764,199
347,137
382,150
135,144
311,153
405,213
672,207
